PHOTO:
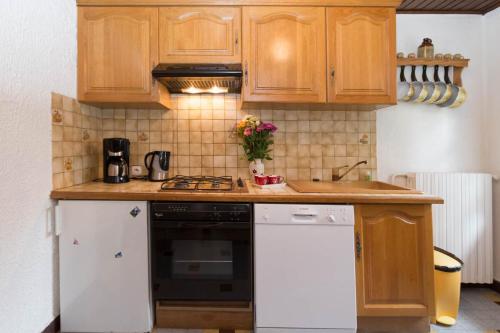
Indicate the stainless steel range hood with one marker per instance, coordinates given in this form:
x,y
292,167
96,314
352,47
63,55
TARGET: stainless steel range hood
x,y
199,78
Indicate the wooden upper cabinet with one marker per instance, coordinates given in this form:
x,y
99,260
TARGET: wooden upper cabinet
x,y
394,260
284,54
117,49
361,52
200,35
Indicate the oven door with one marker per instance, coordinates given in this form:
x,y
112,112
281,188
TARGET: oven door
x,y
207,261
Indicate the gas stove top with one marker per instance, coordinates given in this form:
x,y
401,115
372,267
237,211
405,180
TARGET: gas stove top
x,y
203,183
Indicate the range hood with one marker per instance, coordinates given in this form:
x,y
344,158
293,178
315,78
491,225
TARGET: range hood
x,y
199,78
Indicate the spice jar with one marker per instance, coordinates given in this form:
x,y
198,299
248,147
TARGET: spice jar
x,y
426,49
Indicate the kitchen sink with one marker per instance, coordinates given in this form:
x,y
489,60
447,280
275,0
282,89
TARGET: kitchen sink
x,y
348,187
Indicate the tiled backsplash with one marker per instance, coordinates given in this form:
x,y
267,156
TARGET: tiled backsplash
x,y
199,134
76,142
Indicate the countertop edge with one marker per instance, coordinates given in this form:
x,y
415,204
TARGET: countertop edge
x,y
355,198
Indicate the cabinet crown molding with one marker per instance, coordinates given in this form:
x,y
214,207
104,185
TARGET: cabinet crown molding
x,y
323,3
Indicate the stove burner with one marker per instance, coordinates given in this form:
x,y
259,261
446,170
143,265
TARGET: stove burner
x,y
182,184
198,183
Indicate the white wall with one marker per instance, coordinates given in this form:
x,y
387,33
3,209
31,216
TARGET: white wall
x,y
413,137
427,138
38,55
491,69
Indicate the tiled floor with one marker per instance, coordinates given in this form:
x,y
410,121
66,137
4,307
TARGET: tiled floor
x,y
478,314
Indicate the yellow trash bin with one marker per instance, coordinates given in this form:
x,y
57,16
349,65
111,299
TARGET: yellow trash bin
x,y
447,279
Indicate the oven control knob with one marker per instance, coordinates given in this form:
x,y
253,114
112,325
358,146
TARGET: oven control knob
x,y
331,218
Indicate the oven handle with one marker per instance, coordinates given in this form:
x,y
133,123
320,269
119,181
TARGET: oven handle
x,y
180,225
201,225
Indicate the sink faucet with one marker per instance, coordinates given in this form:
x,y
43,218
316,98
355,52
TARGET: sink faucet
x,y
336,176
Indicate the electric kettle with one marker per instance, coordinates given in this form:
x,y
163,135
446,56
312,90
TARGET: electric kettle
x,y
157,163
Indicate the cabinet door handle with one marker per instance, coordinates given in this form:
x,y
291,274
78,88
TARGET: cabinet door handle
x,y
332,73
58,220
236,39
134,212
153,81
358,246
246,73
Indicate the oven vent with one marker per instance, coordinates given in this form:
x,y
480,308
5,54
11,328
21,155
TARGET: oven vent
x,y
195,79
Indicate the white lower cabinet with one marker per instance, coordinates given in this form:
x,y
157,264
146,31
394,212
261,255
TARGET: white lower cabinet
x,y
104,266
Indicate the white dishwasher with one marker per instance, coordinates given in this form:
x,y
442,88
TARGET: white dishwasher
x,y
304,268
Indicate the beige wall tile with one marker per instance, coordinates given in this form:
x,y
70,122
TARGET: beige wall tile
x,y
57,180
195,149
218,125
155,137
195,137
206,125
131,114
57,133
219,149
199,133
143,125
155,124
219,161
231,161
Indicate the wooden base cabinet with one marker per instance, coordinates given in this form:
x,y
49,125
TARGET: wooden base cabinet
x,y
394,260
361,52
117,49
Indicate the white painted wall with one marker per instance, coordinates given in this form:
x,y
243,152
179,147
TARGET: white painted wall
x,y
38,55
426,138
413,137
491,69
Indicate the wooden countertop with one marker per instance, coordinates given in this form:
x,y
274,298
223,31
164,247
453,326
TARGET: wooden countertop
x,y
149,191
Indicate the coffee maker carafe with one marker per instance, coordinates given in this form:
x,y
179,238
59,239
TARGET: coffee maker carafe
x,y
116,152
157,163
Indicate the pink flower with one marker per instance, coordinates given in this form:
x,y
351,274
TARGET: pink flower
x,y
247,131
266,127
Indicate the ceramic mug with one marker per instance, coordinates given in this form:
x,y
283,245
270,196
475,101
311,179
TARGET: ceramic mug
x,y
260,179
274,179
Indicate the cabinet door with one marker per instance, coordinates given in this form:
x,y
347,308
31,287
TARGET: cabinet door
x,y
104,270
284,54
117,48
361,47
200,35
394,260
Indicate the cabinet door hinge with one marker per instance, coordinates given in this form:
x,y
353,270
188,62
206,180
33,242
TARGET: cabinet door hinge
x,y
358,246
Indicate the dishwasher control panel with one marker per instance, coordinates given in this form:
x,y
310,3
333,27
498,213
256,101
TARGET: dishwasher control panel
x,y
304,214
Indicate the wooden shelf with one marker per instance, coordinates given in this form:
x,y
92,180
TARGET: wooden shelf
x,y
432,62
457,64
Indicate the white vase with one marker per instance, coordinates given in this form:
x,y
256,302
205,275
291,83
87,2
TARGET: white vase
x,y
256,167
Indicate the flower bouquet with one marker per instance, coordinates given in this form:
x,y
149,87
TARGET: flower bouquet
x,y
256,138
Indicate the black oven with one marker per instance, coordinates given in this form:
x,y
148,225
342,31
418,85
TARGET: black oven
x,y
201,251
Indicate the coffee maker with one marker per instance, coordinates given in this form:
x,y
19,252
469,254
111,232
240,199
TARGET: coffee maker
x,y
116,153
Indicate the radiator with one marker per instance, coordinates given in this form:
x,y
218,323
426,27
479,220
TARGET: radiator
x,y
463,225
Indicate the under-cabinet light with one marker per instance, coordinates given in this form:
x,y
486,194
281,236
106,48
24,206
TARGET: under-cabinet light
x,y
213,90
